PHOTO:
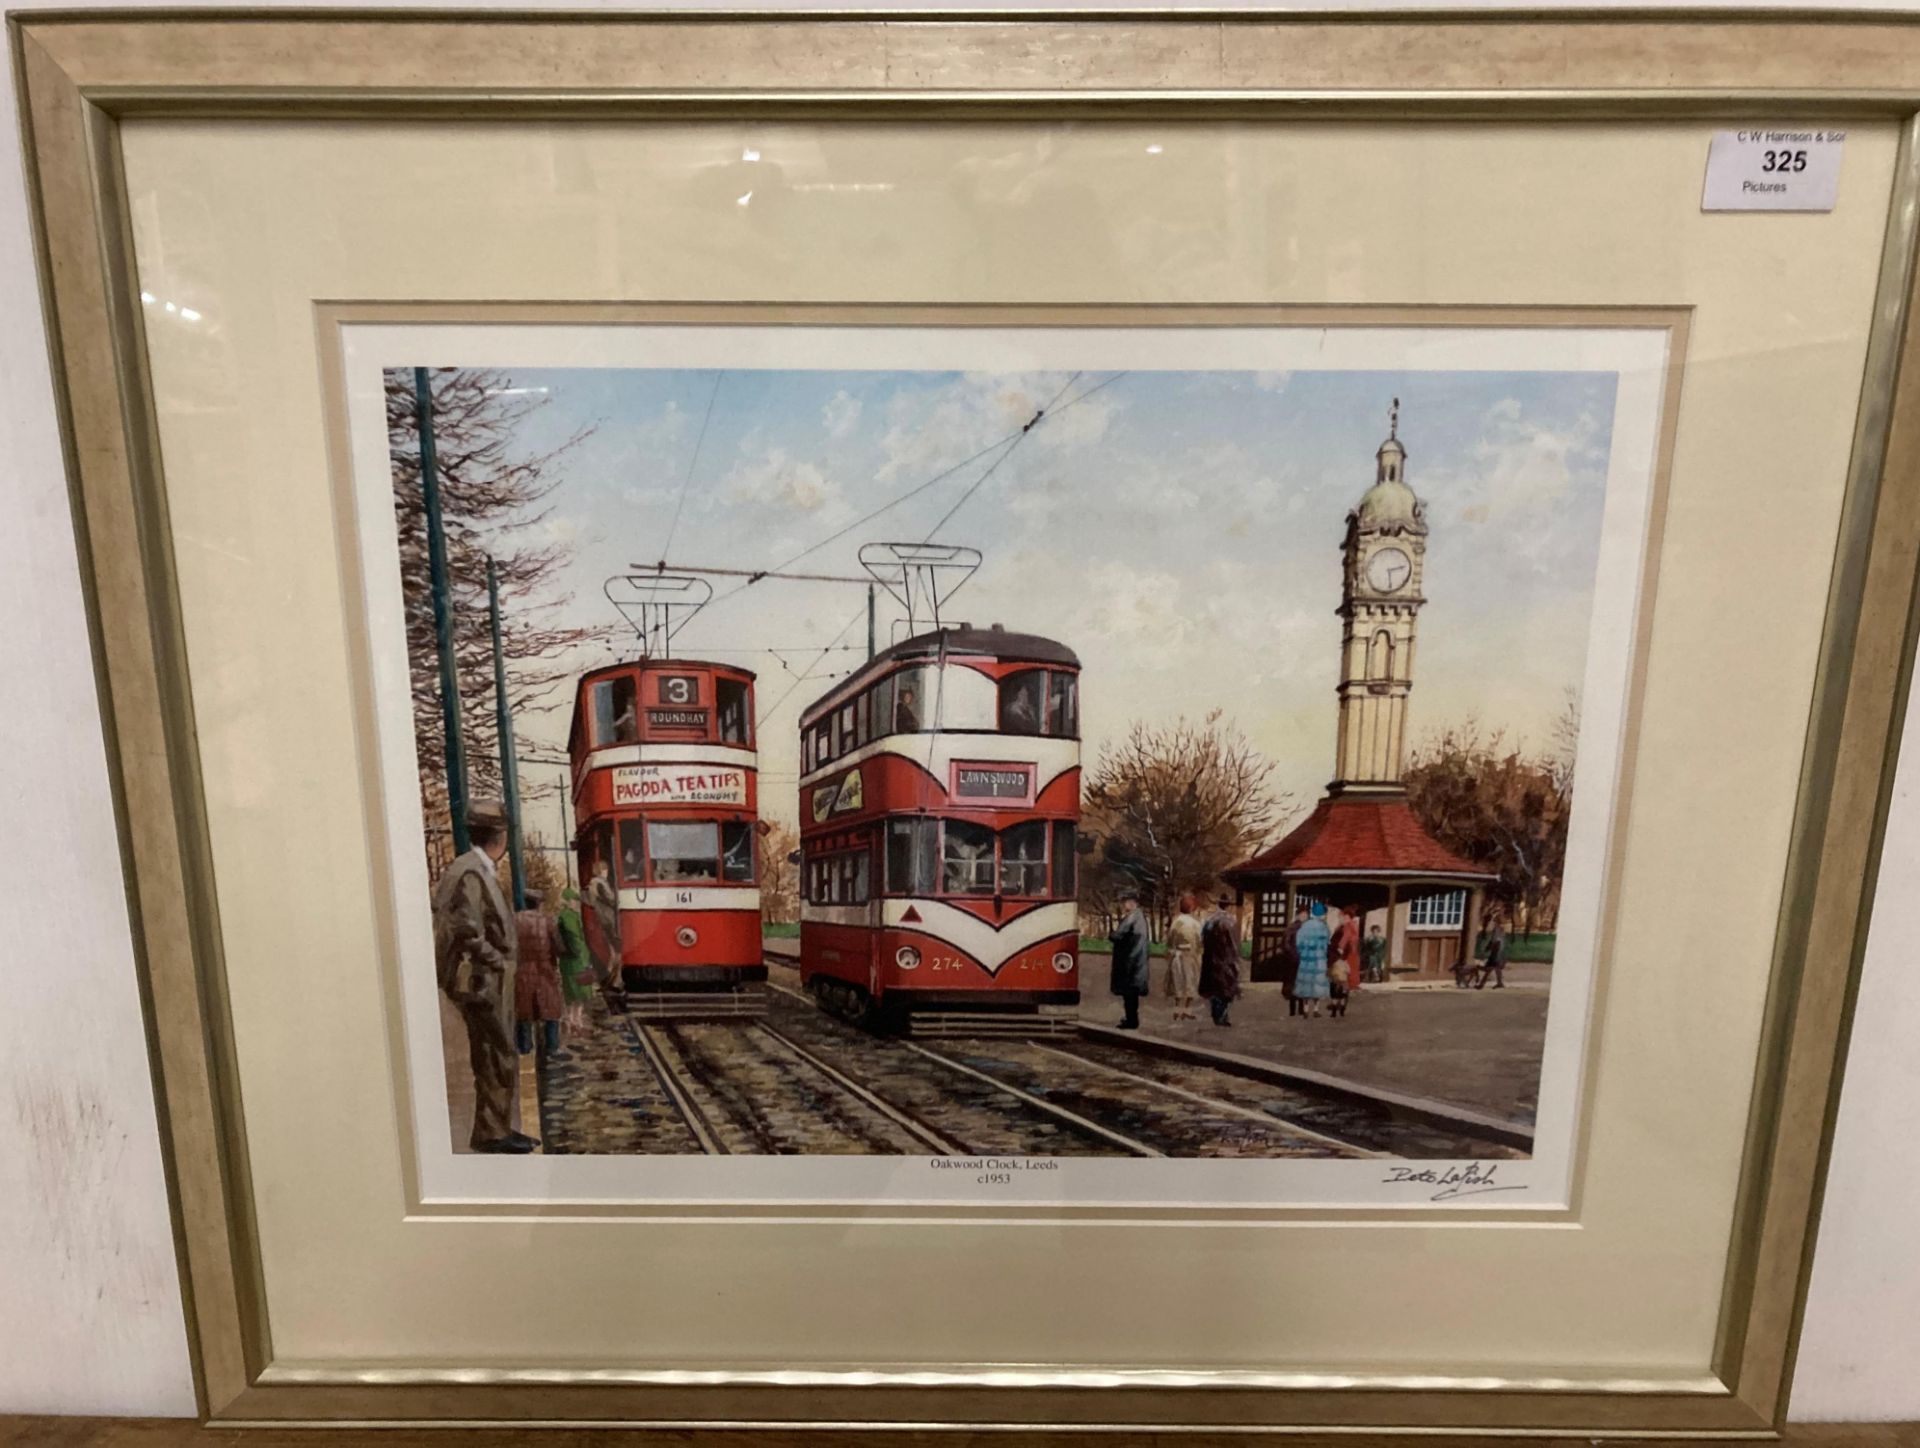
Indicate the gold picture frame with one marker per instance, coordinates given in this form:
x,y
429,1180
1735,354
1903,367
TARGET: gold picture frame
x,y
82,75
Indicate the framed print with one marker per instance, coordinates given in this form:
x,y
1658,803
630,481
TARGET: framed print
x,y
1057,723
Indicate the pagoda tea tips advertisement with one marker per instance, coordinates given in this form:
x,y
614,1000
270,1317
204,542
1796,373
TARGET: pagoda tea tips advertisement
x,y
1021,764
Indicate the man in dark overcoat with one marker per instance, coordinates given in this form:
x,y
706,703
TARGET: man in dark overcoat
x,y
1220,961
1130,970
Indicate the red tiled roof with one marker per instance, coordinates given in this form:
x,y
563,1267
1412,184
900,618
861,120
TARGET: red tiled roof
x,y
1357,834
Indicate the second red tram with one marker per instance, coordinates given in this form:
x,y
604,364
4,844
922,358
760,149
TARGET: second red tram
x,y
666,795
939,810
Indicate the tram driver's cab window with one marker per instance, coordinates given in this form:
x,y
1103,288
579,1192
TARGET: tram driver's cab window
x,y
616,711
684,851
966,859
736,851
913,856
1023,859
1066,859
730,708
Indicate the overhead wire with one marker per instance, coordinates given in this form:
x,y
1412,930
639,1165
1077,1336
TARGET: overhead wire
x,y
692,463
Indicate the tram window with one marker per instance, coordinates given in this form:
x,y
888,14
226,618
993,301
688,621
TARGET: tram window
x,y
616,711
910,702
1063,705
1066,859
736,851
823,744
912,855
880,698
846,728
730,699
602,853
966,860
633,853
862,878
683,850
860,717
1023,700
1023,859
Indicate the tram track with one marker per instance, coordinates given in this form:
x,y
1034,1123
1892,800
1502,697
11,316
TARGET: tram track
x,y
678,1089
804,1082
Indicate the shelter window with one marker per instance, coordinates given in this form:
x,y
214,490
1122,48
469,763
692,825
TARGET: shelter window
x,y
730,700
633,852
913,852
1063,705
1023,702
683,851
967,859
1066,859
1023,859
1437,912
616,711
736,851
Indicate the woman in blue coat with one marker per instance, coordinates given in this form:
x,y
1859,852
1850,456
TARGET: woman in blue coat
x,y
1311,985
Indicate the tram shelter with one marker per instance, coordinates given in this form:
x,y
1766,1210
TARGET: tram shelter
x,y
1365,854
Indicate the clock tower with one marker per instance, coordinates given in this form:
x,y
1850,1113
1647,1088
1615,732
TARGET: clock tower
x,y
1385,552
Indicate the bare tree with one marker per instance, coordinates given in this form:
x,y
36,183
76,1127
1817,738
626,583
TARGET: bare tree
x,y
494,499
779,876
1172,806
1500,808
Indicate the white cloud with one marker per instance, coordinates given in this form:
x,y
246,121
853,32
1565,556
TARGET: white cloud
x,y
775,480
841,414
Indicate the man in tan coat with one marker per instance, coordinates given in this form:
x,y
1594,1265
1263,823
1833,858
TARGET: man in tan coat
x,y
474,943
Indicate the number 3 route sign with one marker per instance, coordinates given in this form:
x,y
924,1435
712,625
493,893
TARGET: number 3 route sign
x,y
1782,170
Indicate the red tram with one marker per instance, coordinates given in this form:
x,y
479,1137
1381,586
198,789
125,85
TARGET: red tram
x,y
939,809
665,793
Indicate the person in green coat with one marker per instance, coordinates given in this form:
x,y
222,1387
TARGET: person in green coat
x,y
576,964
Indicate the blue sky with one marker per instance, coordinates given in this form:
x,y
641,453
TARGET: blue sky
x,y
1180,531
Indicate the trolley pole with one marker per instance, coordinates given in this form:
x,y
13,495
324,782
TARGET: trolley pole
x,y
870,624
503,715
442,614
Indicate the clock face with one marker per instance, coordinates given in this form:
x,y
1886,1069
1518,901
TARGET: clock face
x,y
1388,569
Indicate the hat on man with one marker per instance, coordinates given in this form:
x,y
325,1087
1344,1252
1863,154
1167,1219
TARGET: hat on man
x,y
486,814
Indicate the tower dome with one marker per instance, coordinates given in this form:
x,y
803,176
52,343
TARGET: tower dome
x,y
1390,504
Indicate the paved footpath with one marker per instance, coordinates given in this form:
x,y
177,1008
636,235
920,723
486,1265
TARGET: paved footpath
x,y
1474,1048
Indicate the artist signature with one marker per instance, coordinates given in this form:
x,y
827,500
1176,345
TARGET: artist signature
x,y
1470,1180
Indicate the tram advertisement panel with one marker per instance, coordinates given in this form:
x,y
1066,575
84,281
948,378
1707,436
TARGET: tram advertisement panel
x,y
880,747
678,784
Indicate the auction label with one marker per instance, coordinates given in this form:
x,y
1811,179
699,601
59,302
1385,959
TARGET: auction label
x,y
1784,170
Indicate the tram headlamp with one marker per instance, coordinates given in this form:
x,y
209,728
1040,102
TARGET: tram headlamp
x,y
907,958
687,936
1063,962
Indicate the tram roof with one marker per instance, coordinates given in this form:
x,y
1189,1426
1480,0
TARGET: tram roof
x,y
649,665
993,642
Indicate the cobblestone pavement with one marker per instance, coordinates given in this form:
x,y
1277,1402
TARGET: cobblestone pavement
x,y
599,1096
802,1082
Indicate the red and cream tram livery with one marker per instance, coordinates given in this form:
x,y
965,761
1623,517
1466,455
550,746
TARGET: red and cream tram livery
x,y
666,797
939,808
